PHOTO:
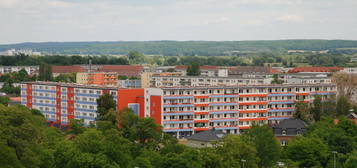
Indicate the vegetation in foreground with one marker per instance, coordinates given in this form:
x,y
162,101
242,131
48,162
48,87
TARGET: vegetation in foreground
x,y
126,140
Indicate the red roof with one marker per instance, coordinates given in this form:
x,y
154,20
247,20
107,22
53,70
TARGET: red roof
x,y
205,67
67,69
251,69
315,69
123,70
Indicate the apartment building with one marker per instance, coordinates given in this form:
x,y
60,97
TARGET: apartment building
x,y
305,78
11,69
61,102
234,109
129,83
199,81
206,70
182,111
97,78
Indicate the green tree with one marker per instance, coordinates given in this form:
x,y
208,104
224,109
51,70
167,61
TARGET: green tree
x,y
343,106
105,103
316,109
264,141
234,150
68,78
301,111
135,57
351,161
276,79
143,130
45,73
308,152
76,126
24,137
4,100
193,69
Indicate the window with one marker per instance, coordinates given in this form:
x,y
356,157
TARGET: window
x,y
135,107
283,132
284,142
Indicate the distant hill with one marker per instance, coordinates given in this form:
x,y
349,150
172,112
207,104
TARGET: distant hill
x,y
206,48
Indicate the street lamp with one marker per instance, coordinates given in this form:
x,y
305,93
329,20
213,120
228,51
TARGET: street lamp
x,y
243,161
334,158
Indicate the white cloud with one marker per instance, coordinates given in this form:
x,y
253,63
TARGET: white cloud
x,y
76,20
290,18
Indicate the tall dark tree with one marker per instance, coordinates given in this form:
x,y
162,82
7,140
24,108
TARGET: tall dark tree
x,y
343,106
316,109
45,72
105,103
301,111
193,69
266,144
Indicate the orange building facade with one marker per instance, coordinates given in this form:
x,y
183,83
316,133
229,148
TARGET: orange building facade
x,y
98,78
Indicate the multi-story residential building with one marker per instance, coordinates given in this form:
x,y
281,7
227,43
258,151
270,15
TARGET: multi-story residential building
x,y
121,70
181,111
350,70
305,78
233,109
61,102
198,81
129,83
10,69
206,70
97,78
251,70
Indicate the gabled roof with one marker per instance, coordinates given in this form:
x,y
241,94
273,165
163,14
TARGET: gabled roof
x,y
352,116
207,136
203,67
290,127
123,70
292,123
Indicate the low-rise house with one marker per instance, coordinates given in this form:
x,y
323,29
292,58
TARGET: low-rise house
x,y
289,129
205,138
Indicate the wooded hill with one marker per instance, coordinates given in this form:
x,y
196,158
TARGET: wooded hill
x,y
187,48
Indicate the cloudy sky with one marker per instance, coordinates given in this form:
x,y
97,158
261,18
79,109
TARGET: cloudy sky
x,y
139,20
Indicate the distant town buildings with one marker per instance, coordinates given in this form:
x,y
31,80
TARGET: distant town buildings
x,y
13,52
120,70
315,69
11,69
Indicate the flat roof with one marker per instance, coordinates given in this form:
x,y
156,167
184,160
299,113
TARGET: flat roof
x,y
76,85
250,86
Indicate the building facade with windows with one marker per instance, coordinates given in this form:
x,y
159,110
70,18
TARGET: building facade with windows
x,y
233,109
201,81
11,69
182,111
61,102
97,78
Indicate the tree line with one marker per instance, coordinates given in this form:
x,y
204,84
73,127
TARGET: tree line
x,y
186,48
135,57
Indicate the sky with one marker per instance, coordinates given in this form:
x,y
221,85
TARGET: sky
x,y
145,20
